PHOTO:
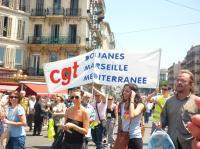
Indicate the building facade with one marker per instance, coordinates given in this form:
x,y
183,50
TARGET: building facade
x,y
172,73
163,74
60,29
192,62
14,22
108,41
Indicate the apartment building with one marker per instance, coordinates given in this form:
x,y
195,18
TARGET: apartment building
x,y
108,41
172,73
61,29
192,62
14,22
163,74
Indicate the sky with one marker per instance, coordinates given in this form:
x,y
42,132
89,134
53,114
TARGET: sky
x,y
146,25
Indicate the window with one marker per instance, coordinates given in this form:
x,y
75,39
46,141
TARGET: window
x,y
20,29
53,57
6,24
57,4
35,65
38,30
73,7
39,7
18,58
5,3
55,29
2,52
57,7
37,33
71,54
22,5
72,34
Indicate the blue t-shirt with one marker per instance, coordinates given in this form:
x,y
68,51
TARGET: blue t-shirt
x,y
13,115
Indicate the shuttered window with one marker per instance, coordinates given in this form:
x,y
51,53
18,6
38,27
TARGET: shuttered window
x,y
1,25
9,27
20,30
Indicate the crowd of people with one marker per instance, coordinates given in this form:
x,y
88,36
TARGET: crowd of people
x,y
93,117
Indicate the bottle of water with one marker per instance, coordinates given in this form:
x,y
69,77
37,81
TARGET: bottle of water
x,y
160,140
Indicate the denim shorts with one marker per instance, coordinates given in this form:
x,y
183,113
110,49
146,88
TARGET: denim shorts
x,y
16,143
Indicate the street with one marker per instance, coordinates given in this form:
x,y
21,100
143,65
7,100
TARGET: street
x,y
42,142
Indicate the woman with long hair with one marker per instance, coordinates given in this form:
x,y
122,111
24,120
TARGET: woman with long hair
x,y
130,113
77,123
16,120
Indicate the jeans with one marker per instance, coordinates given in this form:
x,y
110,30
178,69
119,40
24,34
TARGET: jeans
x,y
16,143
110,130
135,143
146,117
97,136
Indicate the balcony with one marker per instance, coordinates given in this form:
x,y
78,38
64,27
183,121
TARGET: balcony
x,y
55,11
38,12
73,12
54,40
35,72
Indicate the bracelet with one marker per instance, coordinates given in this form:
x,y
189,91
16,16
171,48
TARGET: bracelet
x,y
132,102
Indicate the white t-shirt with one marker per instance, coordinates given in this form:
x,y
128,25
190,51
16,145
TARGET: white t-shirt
x,y
101,110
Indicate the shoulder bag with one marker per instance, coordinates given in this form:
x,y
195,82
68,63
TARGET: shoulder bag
x,y
103,122
57,144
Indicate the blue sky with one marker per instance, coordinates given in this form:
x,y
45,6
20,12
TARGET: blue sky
x,y
146,25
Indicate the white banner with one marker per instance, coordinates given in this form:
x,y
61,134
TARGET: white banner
x,y
107,67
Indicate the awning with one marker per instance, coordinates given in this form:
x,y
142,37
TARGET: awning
x,y
8,87
41,89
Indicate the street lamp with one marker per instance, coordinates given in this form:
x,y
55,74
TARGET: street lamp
x,y
19,75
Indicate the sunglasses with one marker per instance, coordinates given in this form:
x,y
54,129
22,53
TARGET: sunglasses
x,y
165,89
76,97
13,96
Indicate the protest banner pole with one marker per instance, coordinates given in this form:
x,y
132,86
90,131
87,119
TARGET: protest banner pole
x,y
93,90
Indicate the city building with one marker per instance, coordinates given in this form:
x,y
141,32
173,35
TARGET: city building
x,y
172,73
60,29
108,41
192,62
14,22
163,74
42,31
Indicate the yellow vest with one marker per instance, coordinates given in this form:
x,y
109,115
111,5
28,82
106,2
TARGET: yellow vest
x,y
157,110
